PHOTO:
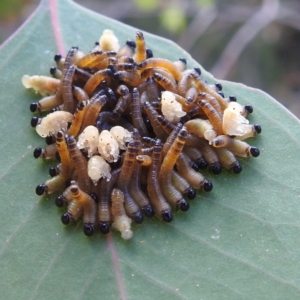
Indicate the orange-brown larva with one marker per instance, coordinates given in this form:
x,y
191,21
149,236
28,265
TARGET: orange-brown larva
x,y
172,195
132,131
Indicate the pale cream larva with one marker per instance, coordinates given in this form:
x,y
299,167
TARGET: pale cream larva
x,y
88,140
58,120
121,222
234,123
171,109
108,41
41,84
122,136
108,146
98,168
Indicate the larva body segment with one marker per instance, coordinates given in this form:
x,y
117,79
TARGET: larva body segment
x,y
160,63
95,80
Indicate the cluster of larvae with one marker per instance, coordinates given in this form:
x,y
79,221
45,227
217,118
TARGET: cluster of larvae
x,y
131,132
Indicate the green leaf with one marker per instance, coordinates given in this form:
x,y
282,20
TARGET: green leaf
x,y
240,241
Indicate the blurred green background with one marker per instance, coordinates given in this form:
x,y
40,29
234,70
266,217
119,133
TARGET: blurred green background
x,y
254,42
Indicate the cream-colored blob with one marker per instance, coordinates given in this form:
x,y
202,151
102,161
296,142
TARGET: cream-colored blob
x,y
122,136
78,55
54,122
210,134
108,146
108,41
98,168
180,65
41,84
171,109
88,140
121,222
233,121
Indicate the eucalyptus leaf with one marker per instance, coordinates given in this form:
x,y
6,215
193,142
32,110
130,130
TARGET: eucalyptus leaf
x,y
240,241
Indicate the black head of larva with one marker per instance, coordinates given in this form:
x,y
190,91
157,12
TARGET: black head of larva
x,y
257,128
131,44
53,70
232,98
249,109
33,108
254,151
88,230
221,94
219,86
237,168
59,201
138,218
184,205
216,168
167,216
57,57
207,186
198,71
65,219
195,166
69,182
34,121
191,194
183,60
37,152
148,211
53,171
149,53
40,189
50,139
202,164
104,227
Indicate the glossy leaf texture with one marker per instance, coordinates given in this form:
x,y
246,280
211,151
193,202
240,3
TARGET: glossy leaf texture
x,y
240,241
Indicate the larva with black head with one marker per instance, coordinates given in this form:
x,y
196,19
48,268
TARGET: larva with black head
x,y
172,195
